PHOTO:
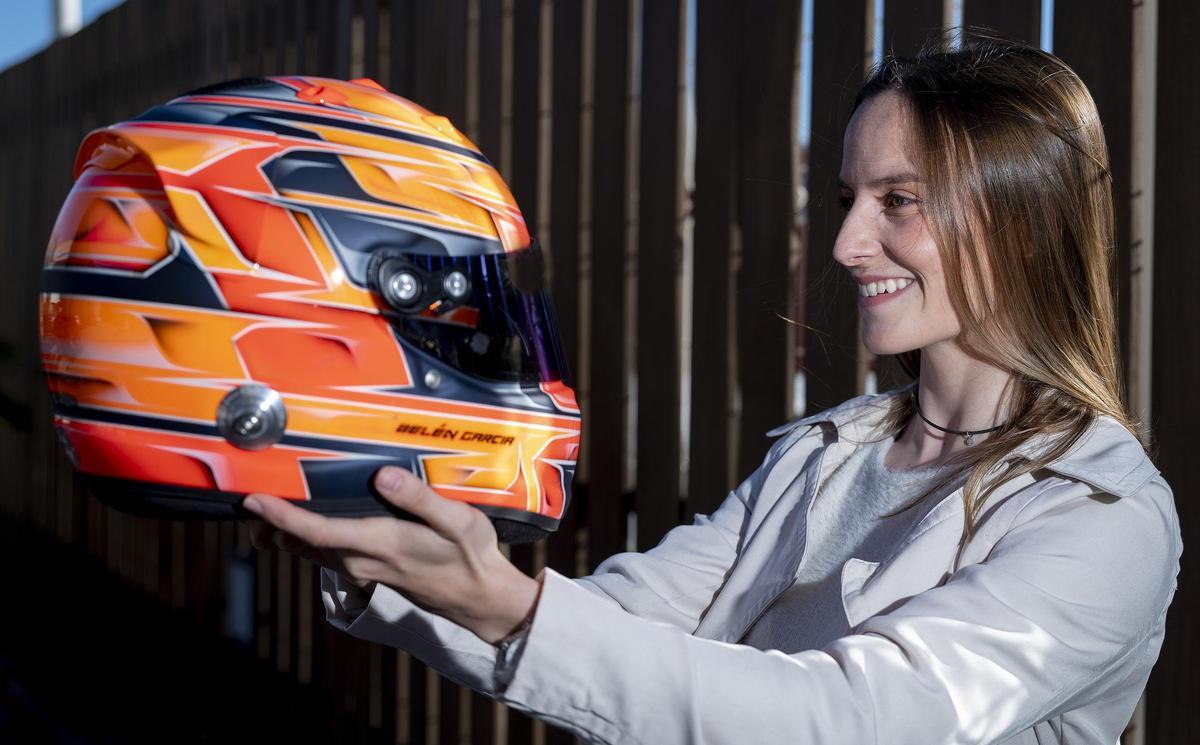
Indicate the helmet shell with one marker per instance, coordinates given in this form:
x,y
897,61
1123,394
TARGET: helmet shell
x,y
224,249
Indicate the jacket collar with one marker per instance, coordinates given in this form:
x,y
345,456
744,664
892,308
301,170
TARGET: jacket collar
x,y
1107,456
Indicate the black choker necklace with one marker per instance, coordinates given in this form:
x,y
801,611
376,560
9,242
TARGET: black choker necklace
x,y
968,435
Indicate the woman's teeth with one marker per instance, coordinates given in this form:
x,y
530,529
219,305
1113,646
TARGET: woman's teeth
x,y
888,285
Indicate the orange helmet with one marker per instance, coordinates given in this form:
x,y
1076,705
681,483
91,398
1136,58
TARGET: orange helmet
x,y
282,284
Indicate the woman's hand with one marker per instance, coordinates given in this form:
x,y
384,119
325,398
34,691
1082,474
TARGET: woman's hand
x,y
451,565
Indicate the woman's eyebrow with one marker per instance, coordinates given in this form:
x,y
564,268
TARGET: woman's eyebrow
x,y
897,178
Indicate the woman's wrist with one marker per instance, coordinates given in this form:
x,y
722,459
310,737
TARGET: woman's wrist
x,y
514,604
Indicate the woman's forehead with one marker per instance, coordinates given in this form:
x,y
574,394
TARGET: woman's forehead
x,y
874,150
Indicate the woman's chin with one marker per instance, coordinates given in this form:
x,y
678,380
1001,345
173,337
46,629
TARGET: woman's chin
x,y
882,347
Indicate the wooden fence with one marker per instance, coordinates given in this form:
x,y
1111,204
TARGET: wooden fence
x,y
658,149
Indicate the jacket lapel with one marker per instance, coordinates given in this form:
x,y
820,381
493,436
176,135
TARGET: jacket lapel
x,y
770,559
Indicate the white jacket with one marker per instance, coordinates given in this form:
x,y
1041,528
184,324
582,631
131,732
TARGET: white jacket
x,y
1045,634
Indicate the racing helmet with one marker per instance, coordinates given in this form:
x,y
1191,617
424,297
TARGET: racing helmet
x,y
283,284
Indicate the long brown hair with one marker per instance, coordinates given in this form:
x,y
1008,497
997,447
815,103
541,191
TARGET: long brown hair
x,y
1019,201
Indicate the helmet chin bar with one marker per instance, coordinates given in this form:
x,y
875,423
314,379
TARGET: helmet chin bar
x,y
165,501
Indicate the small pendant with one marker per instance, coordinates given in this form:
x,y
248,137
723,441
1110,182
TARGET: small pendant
x,y
969,438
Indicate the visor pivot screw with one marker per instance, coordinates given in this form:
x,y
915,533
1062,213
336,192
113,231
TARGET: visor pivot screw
x,y
433,379
252,417
455,284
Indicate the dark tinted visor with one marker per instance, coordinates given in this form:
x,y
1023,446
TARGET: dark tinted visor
x,y
502,329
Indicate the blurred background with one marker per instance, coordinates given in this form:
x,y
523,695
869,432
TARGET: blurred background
x,y
677,159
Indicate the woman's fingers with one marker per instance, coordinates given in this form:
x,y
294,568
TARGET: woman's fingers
x,y
431,561
264,537
405,490
446,559
317,531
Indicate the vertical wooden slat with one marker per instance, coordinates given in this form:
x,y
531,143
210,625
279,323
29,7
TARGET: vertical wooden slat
x,y
524,51
179,68
488,138
232,23
18,201
525,119
208,30
13,132
428,75
453,45
74,120
831,341
1171,713
399,51
10,139
1017,19
606,431
370,22
249,43
261,37
283,631
322,20
268,36
300,11
1102,60
279,29
8,435
907,24
63,122
325,668
222,49
386,733
54,139
44,187
562,249
657,328
342,11
766,201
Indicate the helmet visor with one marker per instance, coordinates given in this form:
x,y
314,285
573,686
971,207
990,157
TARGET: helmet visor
x,y
498,324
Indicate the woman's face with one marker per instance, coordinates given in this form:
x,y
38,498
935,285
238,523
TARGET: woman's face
x,y
884,235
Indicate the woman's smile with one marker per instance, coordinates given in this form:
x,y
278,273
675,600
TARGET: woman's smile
x,y
866,300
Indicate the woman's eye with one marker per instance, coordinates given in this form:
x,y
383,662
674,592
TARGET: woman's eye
x,y
845,202
893,200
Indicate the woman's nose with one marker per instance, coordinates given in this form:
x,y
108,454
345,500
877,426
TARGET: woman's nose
x,y
856,242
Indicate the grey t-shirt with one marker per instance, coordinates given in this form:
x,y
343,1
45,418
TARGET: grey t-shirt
x,y
809,614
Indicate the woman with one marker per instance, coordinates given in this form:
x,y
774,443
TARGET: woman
x,y
984,555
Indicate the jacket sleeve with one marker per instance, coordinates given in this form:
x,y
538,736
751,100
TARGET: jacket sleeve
x,y
674,582
671,583
1069,604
